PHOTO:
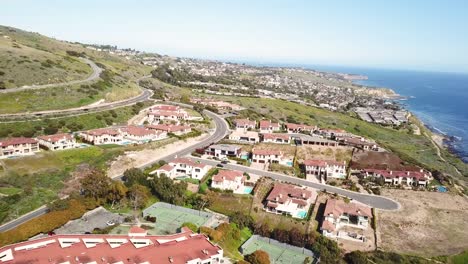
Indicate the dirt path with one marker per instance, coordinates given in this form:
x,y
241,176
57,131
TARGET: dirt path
x,y
132,159
439,153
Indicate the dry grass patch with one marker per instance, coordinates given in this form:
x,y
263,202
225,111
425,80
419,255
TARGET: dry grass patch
x,y
288,150
322,152
428,224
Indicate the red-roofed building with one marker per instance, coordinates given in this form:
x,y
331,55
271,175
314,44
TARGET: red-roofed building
x,y
276,138
270,156
244,124
57,141
229,180
142,134
174,129
322,170
102,136
290,199
295,128
156,116
338,214
182,248
333,133
266,126
405,178
19,146
358,142
180,167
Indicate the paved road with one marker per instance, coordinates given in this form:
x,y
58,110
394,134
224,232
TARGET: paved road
x,y
143,96
23,219
96,72
375,201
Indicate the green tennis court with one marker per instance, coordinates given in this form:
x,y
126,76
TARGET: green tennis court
x,y
169,220
278,255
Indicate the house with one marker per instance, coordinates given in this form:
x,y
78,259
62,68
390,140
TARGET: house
x,y
295,128
19,146
276,138
102,136
314,140
345,220
57,141
266,126
157,116
183,167
179,248
290,199
358,142
324,169
244,136
142,134
174,129
333,133
403,178
245,124
271,156
220,105
223,151
229,180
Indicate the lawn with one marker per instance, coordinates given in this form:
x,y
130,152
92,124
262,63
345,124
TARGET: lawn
x,y
229,204
10,190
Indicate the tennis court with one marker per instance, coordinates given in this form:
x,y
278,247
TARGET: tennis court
x,y
169,220
278,255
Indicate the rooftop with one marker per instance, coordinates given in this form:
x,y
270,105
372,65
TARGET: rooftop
x,y
338,207
16,141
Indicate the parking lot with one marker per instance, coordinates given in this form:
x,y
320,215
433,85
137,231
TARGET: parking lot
x,y
97,218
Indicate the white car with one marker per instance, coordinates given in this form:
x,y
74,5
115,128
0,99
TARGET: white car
x,y
110,223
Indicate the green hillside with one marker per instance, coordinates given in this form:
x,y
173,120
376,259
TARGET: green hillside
x,y
32,59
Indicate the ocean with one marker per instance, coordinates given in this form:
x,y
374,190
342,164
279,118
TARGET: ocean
x,y
440,100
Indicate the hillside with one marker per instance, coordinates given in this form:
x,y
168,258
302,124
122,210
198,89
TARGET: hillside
x,y
28,59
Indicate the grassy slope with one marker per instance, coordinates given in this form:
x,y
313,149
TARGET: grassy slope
x,y
412,148
122,84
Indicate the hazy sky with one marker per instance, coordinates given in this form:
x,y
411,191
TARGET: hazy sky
x,y
406,34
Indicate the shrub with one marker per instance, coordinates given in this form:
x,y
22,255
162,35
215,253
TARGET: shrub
x,y
190,226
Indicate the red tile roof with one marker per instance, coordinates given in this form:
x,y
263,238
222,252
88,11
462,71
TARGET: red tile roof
x,y
165,107
137,230
166,113
243,122
339,207
393,174
327,225
166,167
297,126
56,137
139,131
180,248
228,175
282,192
16,141
267,124
189,162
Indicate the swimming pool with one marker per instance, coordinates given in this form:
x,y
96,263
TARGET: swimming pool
x,y
302,214
289,163
441,188
248,189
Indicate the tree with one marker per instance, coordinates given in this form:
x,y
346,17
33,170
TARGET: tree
x,y
95,185
258,257
356,257
168,191
134,175
138,196
117,192
242,220
190,226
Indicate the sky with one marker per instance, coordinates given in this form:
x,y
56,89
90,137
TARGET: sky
x,y
397,34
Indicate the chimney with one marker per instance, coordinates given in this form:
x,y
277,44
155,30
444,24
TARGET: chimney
x,y
171,259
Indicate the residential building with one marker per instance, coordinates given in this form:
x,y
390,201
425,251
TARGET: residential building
x,y
290,199
19,146
102,136
358,142
345,220
276,138
223,151
57,141
266,126
157,116
174,129
142,134
314,140
183,167
271,156
229,180
181,248
323,170
245,136
333,133
245,124
295,128
403,178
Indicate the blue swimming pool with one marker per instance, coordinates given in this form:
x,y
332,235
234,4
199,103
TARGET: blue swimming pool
x,y
302,214
441,188
248,189
289,163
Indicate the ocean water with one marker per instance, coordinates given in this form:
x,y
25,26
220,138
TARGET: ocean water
x,y
440,100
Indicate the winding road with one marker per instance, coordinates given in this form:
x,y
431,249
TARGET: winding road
x,y
95,75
